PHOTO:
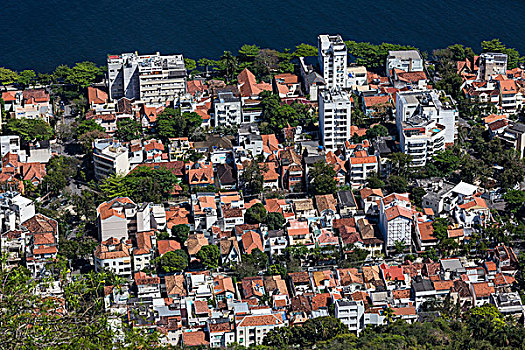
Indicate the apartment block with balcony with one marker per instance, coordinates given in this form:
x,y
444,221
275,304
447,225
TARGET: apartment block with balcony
x,y
492,64
227,109
110,157
408,61
335,109
149,78
429,104
351,314
333,60
422,139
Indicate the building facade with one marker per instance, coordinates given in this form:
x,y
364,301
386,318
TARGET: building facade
x,y
335,110
149,78
333,60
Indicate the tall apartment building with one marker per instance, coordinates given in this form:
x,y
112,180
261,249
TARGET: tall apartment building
x,y
335,110
110,157
396,220
428,104
333,60
421,138
9,144
227,109
492,64
408,61
149,78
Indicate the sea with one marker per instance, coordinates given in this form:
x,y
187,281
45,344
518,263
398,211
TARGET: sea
x,y
42,34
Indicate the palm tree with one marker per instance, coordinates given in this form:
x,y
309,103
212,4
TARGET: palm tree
x,y
206,63
229,62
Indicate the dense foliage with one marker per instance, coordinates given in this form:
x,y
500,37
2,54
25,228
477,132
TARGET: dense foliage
x,y
29,129
143,184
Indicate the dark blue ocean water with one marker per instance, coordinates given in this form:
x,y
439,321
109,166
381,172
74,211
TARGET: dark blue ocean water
x,y
41,34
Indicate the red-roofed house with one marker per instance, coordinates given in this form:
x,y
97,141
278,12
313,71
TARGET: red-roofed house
x,y
425,237
248,85
251,240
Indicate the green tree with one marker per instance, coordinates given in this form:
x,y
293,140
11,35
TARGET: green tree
x,y
26,78
83,74
228,63
399,247
61,73
251,264
59,172
209,255
400,163
376,131
113,186
256,214
514,200
86,126
85,204
7,76
180,232
76,320
86,139
375,182
417,194
190,64
252,179
396,184
206,64
173,123
275,221
370,55
173,261
305,50
128,129
29,129
322,178
247,53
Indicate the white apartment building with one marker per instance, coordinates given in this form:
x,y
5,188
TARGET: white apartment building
x,y
421,138
110,157
361,168
357,76
408,61
428,104
149,78
121,217
351,314
492,64
333,60
335,109
251,329
227,109
114,255
14,210
9,144
395,220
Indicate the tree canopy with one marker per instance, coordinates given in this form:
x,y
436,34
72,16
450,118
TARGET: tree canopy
x,y
371,55
322,179
256,214
209,255
29,129
173,261
143,184
173,123
128,129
